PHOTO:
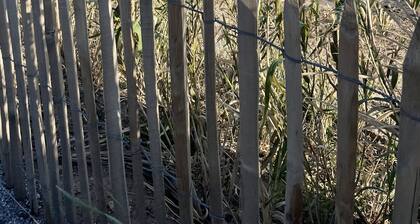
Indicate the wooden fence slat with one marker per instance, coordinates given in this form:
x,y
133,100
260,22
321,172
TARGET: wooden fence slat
x,y
113,112
59,100
48,112
76,112
180,107
248,94
4,127
347,115
147,26
407,191
213,155
25,130
82,46
295,171
13,117
133,112
34,100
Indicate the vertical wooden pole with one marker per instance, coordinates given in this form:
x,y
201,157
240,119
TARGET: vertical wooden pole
x,y
180,109
34,101
59,98
82,46
295,172
47,109
76,111
113,112
347,115
133,114
5,126
23,103
213,155
13,117
147,26
248,94
407,191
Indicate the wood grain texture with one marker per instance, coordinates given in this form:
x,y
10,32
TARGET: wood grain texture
x,y
180,109
13,116
113,113
248,94
25,131
407,191
82,46
149,64
213,154
295,169
347,116
76,113
32,76
47,110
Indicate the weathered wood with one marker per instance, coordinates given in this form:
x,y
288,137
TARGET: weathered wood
x,y
407,191
76,112
113,112
180,110
59,99
34,101
347,115
13,117
248,94
148,41
4,127
82,46
133,112
295,171
25,130
47,109
213,155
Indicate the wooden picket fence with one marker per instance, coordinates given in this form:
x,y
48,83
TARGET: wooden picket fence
x,y
34,116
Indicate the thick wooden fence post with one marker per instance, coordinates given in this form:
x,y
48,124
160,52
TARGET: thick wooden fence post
x,y
295,169
23,103
4,127
76,113
133,112
113,112
59,99
13,117
147,26
213,155
82,46
32,75
248,94
347,114
407,191
180,107
47,109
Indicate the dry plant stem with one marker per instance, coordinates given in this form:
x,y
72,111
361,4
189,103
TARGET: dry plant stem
x,y
15,140
248,94
82,46
180,110
295,169
32,76
148,41
213,155
47,110
76,111
6,162
23,103
113,113
133,114
407,196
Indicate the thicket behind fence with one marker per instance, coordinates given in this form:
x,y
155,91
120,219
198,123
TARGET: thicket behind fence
x,y
34,97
